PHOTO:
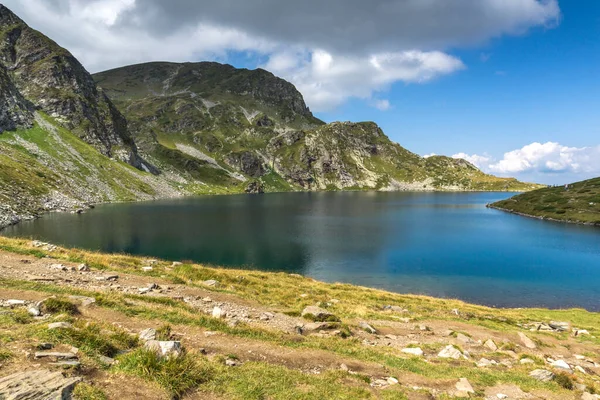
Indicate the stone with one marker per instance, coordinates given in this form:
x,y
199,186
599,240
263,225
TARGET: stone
x,y
83,300
526,361
231,363
67,364
166,348
561,364
501,396
147,269
581,369
530,344
367,327
542,375
463,385
58,267
450,352
266,316
392,381
34,311
44,346
60,325
560,326
217,312
148,334
463,338
83,268
317,313
484,362
344,367
211,283
106,360
15,303
176,264
424,328
491,345
415,351
39,384
580,332
589,396
53,354
112,277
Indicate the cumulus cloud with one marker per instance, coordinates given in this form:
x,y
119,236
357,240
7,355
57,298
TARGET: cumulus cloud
x,y
327,80
332,50
481,162
549,157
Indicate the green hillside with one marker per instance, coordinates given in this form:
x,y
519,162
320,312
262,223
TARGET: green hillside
x,y
580,203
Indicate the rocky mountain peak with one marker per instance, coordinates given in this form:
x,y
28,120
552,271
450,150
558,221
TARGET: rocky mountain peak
x,y
50,79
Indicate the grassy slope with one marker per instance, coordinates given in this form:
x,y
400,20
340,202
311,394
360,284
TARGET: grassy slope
x,y
281,292
207,106
580,203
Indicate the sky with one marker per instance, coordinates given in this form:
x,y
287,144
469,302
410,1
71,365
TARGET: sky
x,y
512,86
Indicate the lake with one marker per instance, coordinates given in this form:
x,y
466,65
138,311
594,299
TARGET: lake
x,y
440,244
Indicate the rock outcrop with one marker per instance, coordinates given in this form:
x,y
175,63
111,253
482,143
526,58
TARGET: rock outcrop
x,y
49,78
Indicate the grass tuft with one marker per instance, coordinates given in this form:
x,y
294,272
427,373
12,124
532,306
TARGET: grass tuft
x,y
84,391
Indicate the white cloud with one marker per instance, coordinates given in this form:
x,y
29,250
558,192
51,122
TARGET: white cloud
x,y
333,50
327,80
549,157
481,162
382,105
429,155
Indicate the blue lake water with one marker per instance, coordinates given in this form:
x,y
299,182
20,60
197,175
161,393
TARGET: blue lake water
x,y
440,244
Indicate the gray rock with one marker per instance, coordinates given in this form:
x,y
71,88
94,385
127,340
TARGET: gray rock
x,y
212,283
34,311
450,352
542,375
463,385
232,363
217,312
267,316
106,360
83,300
464,338
147,269
168,348
148,334
60,325
491,345
561,364
83,268
54,354
415,351
560,326
40,384
367,327
67,364
317,313
45,346
484,362
526,361
530,344
15,303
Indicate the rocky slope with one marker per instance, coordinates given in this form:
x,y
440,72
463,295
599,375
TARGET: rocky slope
x,y
50,79
577,203
121,327
257,125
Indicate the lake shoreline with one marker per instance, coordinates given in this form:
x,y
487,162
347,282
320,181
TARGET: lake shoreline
x,y
542,218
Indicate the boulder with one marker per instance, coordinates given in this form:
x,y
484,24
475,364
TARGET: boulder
x,y
148,334
464,339
317,313
34,311
542,375
165,348
39,384
217,312
484,362
60,325
450,352
463,385
415,351
561,364
560,326
530,344
367,327
491,345
83,268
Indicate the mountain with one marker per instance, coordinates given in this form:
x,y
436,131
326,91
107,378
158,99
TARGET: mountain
x,y
257,126
69,139
577,203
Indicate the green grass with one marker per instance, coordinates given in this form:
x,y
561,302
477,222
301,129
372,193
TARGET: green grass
x,y
85,391
580,203
54,305
176,375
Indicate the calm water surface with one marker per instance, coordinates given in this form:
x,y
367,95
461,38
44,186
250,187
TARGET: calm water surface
x,y
440,244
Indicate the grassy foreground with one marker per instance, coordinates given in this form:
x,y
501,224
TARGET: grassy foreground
x,y
273,363
579,203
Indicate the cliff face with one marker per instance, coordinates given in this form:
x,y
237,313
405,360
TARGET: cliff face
x,y
50,79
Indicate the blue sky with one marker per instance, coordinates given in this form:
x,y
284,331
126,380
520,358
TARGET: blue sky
x,y
511,85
